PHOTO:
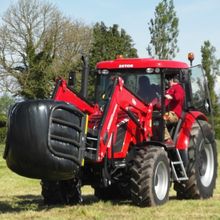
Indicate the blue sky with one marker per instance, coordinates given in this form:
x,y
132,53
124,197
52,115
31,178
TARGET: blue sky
x,y
198,20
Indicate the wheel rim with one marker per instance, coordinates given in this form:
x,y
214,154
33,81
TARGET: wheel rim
x,y
206,168
161,180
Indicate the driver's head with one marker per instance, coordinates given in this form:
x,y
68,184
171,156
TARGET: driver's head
x,y
172,79
144,81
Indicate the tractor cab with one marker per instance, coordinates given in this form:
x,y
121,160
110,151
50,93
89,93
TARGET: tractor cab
x,y
147,80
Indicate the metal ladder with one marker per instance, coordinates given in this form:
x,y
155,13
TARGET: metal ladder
x,y
178,169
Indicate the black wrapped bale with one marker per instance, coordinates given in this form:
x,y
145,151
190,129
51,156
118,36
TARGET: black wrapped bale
x,y
45,140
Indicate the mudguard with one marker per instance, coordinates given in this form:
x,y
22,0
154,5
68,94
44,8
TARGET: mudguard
x,y
184,134
45,140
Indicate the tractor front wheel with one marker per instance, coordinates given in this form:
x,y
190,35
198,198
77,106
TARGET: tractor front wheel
x,y
60,192
150,176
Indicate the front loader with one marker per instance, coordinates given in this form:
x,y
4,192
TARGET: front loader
x,y
116,144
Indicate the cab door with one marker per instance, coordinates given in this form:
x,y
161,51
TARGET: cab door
x,y
200,93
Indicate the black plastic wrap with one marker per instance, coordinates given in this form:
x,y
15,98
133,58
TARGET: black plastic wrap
x,y
45,140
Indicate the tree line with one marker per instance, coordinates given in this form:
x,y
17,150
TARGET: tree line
x,y
38,43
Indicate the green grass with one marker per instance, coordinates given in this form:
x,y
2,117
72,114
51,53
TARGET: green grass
x,y
20,199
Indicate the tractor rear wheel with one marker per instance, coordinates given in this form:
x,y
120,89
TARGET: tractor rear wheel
x,y
60,192
150,176
202,167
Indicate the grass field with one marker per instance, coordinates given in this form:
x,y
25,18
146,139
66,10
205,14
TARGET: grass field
x,y
20,199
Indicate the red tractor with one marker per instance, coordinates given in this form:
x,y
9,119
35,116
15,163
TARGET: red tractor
x,y
116,144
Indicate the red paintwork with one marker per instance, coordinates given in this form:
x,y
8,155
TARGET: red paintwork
x,y
184,134
140,63
121,101
63,93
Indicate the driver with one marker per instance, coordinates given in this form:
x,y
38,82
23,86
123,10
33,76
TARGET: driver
x,y
146,90
174,100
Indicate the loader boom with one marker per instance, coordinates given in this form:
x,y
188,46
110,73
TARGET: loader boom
x,y
123,101
120,101
63,93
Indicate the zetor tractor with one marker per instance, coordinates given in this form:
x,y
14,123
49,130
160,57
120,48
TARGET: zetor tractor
x,y
116,144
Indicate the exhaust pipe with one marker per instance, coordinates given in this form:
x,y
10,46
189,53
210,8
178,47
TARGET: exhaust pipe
x,y
85,76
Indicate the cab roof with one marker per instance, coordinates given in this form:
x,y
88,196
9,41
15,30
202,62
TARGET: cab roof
x,y
125,63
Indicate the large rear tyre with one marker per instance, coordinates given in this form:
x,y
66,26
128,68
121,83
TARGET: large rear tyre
x,y
60,192
150,177
202,167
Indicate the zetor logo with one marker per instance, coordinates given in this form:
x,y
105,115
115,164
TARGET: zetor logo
x,y
125,66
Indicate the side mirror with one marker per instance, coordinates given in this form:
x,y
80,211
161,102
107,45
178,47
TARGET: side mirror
x,y
207,106
72,78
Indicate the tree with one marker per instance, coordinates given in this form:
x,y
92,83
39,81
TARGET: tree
x,y
5,102
108,42
164,31
211,67
37,43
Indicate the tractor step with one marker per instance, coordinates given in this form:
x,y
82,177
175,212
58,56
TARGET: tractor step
x,y
120,163
178,169
91,144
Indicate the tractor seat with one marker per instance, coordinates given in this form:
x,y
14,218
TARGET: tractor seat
x,y
174,128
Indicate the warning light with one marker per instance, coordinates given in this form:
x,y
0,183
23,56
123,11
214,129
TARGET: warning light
x,y
120,56
191,57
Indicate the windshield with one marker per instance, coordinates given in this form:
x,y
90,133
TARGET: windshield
x,y
145,85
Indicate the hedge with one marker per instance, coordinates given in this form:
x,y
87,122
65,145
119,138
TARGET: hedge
x,y
217,128
3,120
2,135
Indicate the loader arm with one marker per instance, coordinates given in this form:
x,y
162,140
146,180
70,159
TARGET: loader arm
x,y
123,100
63,93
